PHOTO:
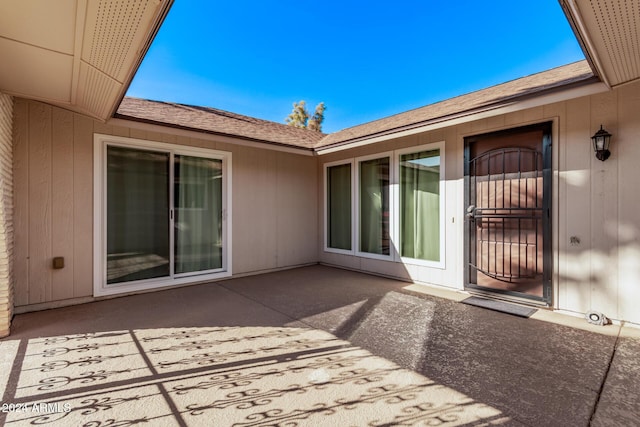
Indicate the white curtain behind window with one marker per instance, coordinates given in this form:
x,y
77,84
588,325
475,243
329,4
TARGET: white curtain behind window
x,y
198,210
420,205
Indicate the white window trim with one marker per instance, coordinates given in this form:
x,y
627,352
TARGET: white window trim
x,y
326,208
396,204
394,211
100,287
356,197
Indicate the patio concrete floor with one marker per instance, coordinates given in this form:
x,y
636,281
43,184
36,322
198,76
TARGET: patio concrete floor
x,y
312,346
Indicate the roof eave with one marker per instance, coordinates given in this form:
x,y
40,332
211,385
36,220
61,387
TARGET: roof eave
x,y
588,86
584,40
608,33
119,116
142,54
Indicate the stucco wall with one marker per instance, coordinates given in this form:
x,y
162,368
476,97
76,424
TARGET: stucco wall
x,y
6,213
274,212
597,202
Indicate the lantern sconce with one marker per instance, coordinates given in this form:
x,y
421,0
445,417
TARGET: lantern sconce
x,y
601,140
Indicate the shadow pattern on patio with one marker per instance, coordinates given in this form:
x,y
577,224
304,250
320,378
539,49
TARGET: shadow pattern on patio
x,y
240,376
307,346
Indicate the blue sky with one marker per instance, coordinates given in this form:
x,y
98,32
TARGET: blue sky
x,y
364,59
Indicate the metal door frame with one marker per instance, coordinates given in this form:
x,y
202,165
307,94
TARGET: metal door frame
x,y
547,248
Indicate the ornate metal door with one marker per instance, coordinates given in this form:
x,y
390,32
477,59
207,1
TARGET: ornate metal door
x,y
508,211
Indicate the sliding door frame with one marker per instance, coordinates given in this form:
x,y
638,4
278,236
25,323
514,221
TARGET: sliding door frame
x,y
101,143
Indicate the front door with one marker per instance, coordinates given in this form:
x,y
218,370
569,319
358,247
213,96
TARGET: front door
x,y
508,213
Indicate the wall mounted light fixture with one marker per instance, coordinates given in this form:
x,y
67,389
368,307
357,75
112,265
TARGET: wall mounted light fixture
x,y
601,140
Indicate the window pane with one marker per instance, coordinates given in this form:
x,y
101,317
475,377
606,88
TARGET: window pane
x,y
137,214
339,207
374,206
420,205
198,214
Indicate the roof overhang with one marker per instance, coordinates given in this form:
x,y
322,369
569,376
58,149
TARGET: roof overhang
x,y
584,88
609,34
77,54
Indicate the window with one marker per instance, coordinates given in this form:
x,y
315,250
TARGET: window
x,y
160,214
373,206
397,209
339,206
419,205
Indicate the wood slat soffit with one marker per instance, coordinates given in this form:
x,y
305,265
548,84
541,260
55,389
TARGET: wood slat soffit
x,y
77,54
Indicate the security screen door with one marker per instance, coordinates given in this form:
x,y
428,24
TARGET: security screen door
x,y
508,212
164,214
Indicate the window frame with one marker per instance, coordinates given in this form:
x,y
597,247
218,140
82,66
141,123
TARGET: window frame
x,y
394,208
356,197
326,167
396,205
100,286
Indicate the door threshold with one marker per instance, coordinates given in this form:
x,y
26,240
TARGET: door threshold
x,y
508,298
500,306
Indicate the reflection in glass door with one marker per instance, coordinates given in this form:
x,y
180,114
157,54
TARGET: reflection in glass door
x,y
198,214
137,215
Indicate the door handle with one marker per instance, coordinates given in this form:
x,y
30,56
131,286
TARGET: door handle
x,y
471,212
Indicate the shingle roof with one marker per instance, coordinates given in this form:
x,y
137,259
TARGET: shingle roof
x,y
219,122
535,84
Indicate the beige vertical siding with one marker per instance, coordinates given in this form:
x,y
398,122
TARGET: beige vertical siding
x,y
62,200
278,207
274,205
255,178
296,184
53,203
593,201
21,201
627,152
82,253
39,191
6,214
605,286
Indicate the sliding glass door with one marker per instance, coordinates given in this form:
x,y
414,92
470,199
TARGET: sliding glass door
x,y
137,215
163,217
198,214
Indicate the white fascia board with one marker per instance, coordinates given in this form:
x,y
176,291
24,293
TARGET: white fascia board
x,y
571,7
491,111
